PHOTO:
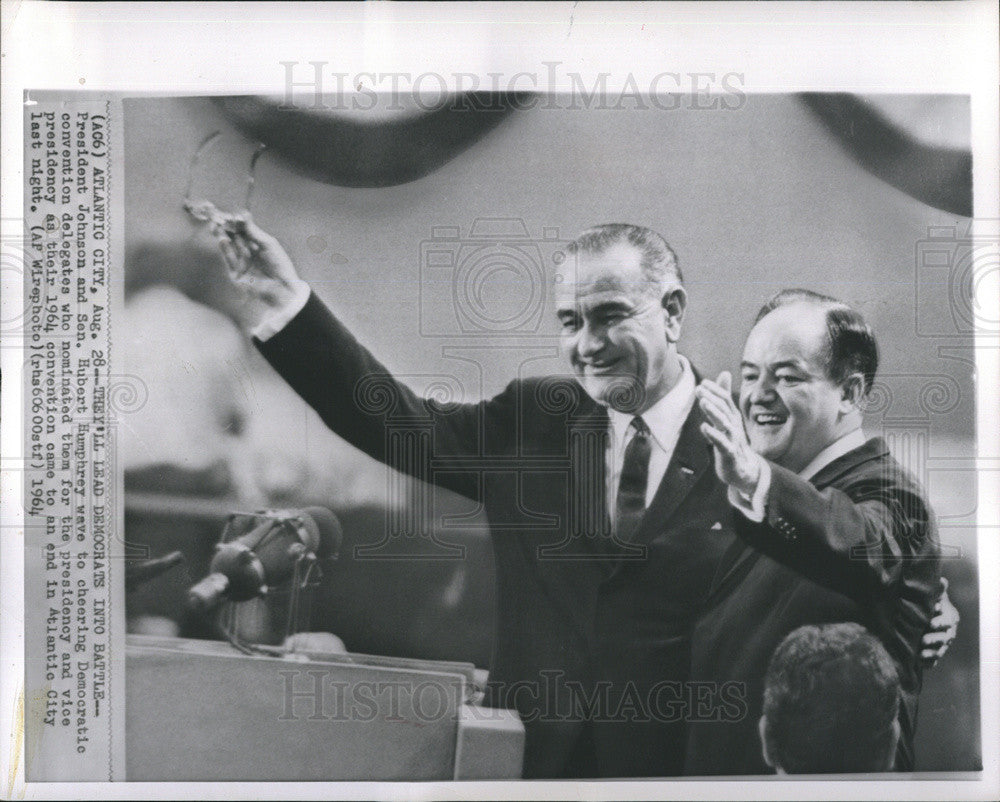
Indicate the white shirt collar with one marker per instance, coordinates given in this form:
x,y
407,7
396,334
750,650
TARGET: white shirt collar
x,y
835,450
666,416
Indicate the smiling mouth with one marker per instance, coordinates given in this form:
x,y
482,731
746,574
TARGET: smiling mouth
x,y
768,419
600,368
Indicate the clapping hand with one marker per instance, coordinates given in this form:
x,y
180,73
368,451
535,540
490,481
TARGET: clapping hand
x,y
736,463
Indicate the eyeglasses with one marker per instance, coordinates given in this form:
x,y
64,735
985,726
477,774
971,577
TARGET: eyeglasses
x,y
204,210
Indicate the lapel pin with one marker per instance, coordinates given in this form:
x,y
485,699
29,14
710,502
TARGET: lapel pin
x,y
716,525
686,470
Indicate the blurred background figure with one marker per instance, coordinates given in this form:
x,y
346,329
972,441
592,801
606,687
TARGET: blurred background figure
x,y
830,702
189,438
199,446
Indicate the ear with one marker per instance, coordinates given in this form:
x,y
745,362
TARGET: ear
x,y
852,392
674,303
762,731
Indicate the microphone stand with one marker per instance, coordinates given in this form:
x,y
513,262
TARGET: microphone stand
x,y
304,574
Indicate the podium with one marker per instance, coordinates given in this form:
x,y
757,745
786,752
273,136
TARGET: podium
x,y
203,711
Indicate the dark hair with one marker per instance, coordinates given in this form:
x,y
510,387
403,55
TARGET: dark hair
x,y
851,346
831,697
659,262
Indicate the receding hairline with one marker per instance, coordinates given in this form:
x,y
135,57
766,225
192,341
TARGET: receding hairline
x,y
845,327
825,303
659,269
822,312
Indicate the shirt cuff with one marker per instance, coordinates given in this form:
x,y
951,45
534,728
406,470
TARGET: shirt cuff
x,y
275,319
753,507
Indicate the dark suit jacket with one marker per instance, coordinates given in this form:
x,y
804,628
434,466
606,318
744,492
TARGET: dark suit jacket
x,y
858,543
592,636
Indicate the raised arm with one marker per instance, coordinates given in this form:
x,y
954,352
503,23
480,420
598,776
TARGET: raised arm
x,y
354,394
858,541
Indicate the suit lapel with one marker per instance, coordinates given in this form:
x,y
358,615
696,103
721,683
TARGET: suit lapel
x,y
689,461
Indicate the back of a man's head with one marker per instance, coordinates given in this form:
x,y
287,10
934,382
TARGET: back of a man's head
x,y
831,697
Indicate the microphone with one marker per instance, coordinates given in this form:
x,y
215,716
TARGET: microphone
x,y
267,554
137,573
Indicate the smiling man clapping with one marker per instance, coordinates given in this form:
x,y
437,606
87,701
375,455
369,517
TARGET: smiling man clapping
x,y
831,528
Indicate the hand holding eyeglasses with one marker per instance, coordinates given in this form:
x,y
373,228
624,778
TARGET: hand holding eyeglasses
x,y
255,260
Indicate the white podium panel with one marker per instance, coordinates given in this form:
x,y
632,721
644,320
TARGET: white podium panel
x,y
201,710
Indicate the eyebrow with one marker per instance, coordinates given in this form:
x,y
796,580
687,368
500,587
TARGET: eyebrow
x,y
788,363
602,307
612,306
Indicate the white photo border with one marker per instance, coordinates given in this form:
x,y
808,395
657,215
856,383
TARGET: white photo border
x,y
174,49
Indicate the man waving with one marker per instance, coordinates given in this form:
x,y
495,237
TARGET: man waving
x,y
831,528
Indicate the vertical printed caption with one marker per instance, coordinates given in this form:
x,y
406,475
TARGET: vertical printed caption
x,y
68,515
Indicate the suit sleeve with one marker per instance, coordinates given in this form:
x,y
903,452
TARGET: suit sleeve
x,y
860,541
357,397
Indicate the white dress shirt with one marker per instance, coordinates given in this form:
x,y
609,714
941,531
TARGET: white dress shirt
x,y
753,508
665,420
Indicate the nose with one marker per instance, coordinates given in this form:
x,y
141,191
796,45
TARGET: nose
x,y
588,342
761,391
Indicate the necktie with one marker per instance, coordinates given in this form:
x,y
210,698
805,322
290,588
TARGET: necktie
x,y
631,500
